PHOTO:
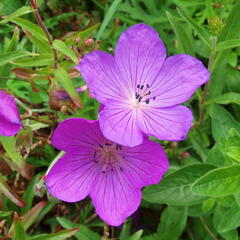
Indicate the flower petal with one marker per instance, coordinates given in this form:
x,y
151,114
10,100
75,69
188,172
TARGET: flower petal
x,y
102,76
74,133
118,124
10,122
145,164
71,176
170,124
178,79
114,198
139,55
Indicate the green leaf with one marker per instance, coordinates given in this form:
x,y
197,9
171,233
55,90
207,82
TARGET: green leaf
x,y
112,9
84,232
228,44
227,98
19,232
137,235
8,192
63,78
61,235
63,48
222,122
6,58
5,214
172,223
30,27
35,61
181,34
231,29
219,182
125,231
175,189
230,219
203,35
21,11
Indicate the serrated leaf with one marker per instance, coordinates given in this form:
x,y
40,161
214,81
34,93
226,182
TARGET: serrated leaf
x,y
219,182
175,189
19,12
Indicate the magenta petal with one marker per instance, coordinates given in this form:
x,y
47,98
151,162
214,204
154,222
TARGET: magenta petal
x,y
145,164
119,124
71,176
114,197
10,122
140,54
170,124
104,80
178,79
76,132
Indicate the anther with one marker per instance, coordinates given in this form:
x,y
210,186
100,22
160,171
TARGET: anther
x,y
138,86
103,171
139,100
121,169
94,155
101,146
154,98
149,92
142,87
148,86
108,144
137,95
147,101
120,147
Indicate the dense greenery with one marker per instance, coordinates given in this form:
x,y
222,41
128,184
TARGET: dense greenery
x,y
199,197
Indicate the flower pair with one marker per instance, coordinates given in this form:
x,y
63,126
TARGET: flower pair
x,y
140,91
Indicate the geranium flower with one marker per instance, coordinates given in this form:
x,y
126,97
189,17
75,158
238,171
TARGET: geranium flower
x,y
141,89
111,174
10,122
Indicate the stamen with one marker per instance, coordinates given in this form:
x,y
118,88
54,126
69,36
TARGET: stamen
x,y
147,101
139,100
137,95
142,87
95,161
154,98
148,86
149,92
103,171
121,169
101,146
108,144
94,155
120,147
138,86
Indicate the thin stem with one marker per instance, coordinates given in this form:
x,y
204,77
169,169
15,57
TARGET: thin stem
x,y
207,85
208,229
106,232
44,28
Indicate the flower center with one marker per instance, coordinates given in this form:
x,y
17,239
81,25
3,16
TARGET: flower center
x,y
107,156
142,95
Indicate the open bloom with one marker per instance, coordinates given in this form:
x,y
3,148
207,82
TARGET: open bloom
x,y
111,174
10,122
141,89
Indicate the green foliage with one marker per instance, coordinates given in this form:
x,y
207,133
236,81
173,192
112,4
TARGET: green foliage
x,y
199,198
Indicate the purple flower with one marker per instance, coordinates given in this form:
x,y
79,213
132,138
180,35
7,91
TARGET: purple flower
x,y
141,89
10,122
111,174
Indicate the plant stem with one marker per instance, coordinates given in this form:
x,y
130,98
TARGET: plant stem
x,y
208,229
207,85
106,232
44,28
